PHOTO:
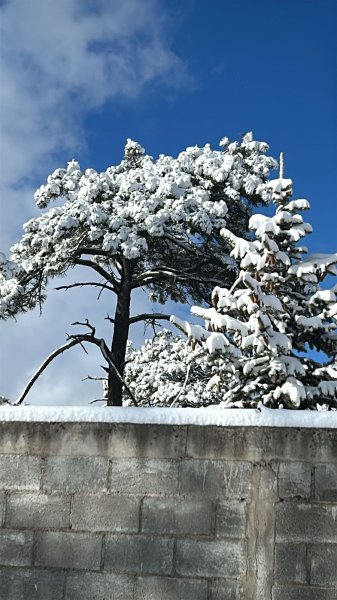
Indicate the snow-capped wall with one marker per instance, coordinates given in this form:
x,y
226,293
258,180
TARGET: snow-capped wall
x,y
101,510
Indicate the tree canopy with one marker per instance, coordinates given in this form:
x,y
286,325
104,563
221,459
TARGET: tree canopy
x,y
264,326
167,371
145,223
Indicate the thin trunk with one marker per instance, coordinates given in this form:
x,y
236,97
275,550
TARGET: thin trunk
x,y
120,337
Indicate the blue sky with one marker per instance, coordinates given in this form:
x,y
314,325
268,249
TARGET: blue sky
x,y
80,76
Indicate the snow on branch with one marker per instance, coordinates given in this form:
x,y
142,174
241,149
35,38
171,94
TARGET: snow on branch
x,y
272,315
145,222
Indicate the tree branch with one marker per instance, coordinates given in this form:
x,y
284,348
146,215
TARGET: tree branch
x,y
85,324
44,365
149,317
168,269
154,278
183,386
100,270
76,339
108,318
97,400
93,283
192,250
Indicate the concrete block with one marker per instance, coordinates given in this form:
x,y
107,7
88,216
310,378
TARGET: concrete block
x,y
325,445
323,565
169,588
144,476
68,550
197,558
290,563
217,443
30,584
300,592
294,480
104,512
231,519
75,474
305,522
255,444
326,482
37,511
227,590
139,554
147,441
99,586
177,515
216,478
112,440
19,472
16,548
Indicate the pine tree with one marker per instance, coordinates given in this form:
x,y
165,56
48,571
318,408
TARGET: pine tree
x,y
275,313
166,371
145,223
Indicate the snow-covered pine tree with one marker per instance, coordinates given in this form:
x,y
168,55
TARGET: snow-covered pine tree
x,y
144,223
166,371
274,314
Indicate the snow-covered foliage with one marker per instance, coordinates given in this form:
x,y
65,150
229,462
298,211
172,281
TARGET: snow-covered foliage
x,y
144,223
276,311
4,400
168,372
10,287
159,214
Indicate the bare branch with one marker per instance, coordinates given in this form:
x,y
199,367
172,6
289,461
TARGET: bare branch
x,y
97,400
142,317
100,293
104,286
85,324
108,318
44,365
99,270
149,317
73,341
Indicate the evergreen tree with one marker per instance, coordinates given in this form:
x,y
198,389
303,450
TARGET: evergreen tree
x,y
267,322
144,223
166,371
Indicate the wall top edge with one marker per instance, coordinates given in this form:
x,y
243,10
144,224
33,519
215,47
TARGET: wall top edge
x,y
211,416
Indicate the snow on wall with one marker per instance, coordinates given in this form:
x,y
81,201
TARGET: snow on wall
x,y
263,417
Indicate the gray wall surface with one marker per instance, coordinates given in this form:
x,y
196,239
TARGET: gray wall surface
x,y
96,511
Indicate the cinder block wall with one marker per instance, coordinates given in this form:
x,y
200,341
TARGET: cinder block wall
x,y
145,512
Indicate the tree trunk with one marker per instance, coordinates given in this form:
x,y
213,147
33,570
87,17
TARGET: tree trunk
x,y
120,337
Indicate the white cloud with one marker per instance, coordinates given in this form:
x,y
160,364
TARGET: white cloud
x,y
59,60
